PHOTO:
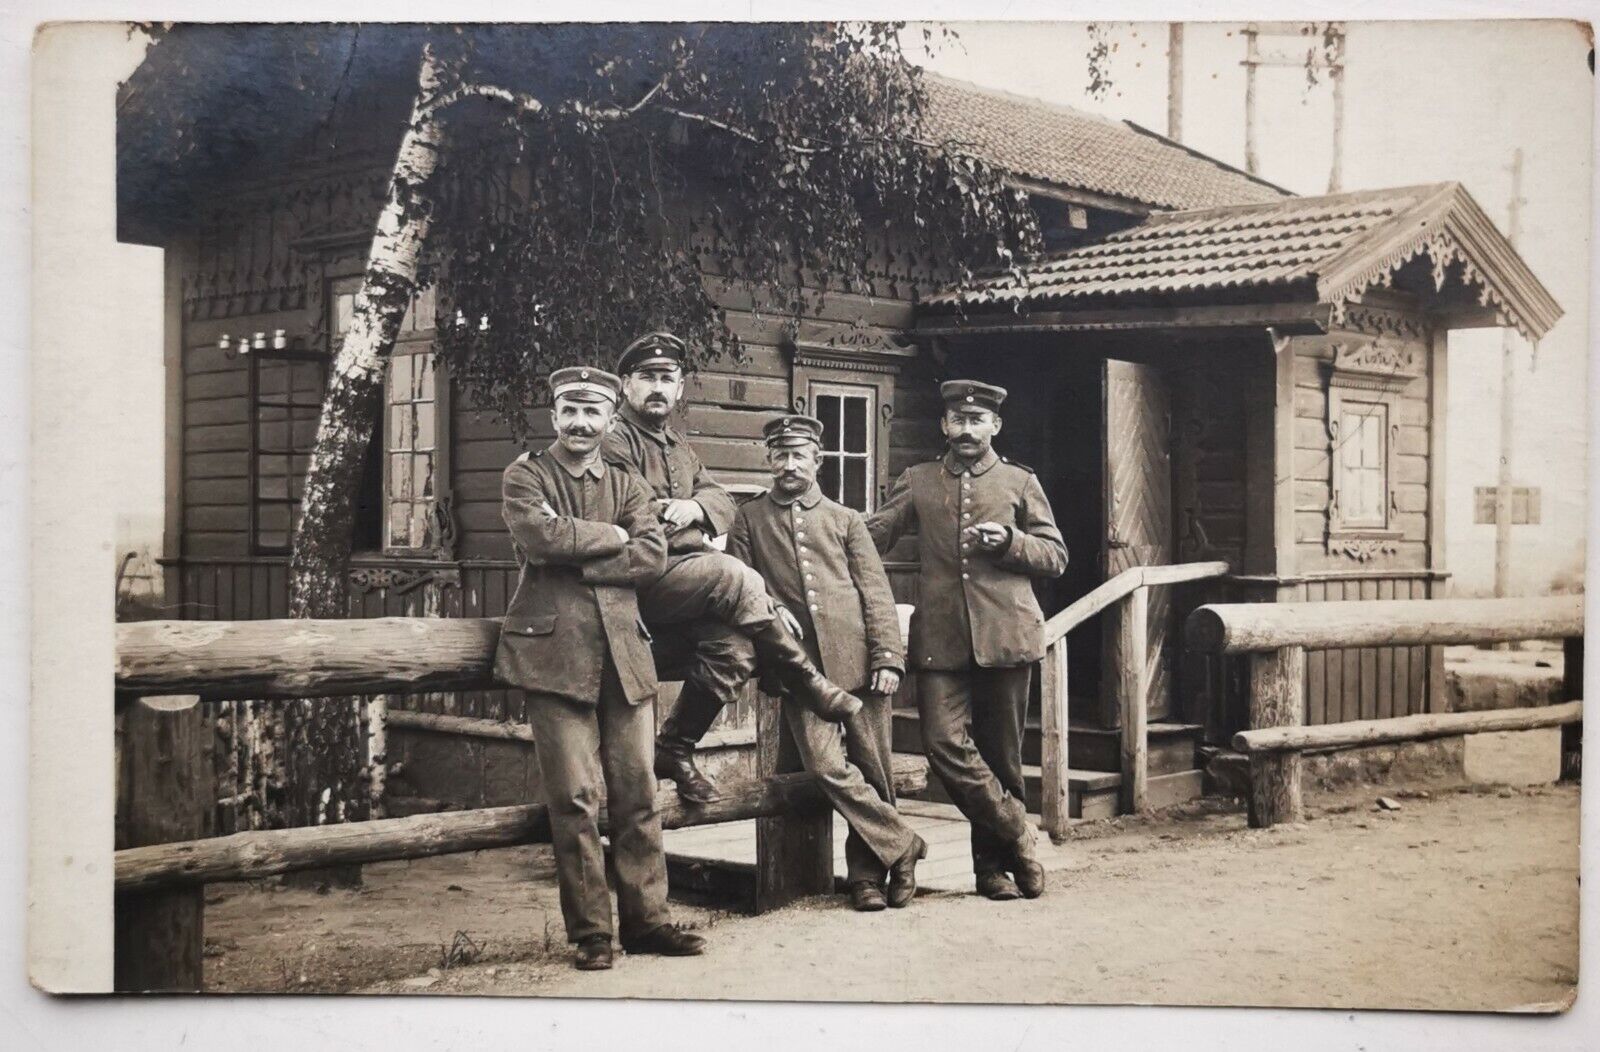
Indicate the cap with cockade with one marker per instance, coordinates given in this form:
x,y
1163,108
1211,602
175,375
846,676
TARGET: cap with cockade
x,y
972,392
792,430
579,383
653,348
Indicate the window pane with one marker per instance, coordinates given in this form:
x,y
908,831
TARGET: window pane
x,y
421,525
271,412
400,477
828,477
400,524
272,488
828,413
272,538
423,436
422,477
274,436
855,425
425,309
272,379
307,381
344,306
305,434
273,517
855,484
400,421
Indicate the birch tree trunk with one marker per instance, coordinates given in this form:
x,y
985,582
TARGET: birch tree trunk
x,y
327,774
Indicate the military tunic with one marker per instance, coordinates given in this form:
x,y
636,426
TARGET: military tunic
x,y
976,632
573,639
672,469
818,560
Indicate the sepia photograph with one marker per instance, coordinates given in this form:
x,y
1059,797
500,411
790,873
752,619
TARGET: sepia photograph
x,y
1000,513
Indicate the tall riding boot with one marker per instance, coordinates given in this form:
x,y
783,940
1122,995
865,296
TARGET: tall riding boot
x,y
697,708
781,652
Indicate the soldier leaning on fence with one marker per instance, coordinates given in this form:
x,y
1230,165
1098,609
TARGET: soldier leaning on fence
x,y
984,531
585,535
710,614
821,567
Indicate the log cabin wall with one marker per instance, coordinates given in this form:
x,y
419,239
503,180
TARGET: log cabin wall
x,y
274,254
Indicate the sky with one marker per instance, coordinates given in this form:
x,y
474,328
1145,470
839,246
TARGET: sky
x,y
1425,102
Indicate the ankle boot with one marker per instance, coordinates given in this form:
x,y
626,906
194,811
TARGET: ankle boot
x,y
782,653
675,743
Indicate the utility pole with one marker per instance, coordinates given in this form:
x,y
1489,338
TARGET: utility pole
x,y
1508,379
1175,81
1325,51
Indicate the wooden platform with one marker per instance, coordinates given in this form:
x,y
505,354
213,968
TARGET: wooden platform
x,y
731,846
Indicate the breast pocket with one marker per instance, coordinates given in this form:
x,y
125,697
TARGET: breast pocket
x,y
530,626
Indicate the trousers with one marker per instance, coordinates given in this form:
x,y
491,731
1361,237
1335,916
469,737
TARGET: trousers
x,y
695,611
582,749
859,783
972,723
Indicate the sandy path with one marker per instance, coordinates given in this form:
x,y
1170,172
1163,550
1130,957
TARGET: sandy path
x,y
1466,900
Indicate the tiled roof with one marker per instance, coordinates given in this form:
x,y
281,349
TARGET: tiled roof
x,y
1070,148
1330,249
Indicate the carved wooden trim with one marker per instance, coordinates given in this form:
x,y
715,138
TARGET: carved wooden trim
x,y
400,580
1363,548
1382,364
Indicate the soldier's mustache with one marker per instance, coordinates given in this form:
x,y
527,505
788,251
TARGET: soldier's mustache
x,y
582,432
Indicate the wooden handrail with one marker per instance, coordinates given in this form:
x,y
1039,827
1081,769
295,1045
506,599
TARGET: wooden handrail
x,y
1120,587
1239,628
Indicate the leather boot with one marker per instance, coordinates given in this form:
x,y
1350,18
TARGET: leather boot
x,y
1028,871
675,743
781,652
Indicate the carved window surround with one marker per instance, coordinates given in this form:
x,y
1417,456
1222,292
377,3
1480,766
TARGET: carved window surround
x,y
845,354
1365,381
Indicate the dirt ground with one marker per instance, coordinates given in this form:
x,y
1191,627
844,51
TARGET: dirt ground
x,y
1461,899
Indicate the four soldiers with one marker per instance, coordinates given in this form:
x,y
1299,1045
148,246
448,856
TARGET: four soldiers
x,y
984,531
612,525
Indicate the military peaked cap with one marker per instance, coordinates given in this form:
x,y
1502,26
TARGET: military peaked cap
x,y
972,392
653,348
792,430
579,383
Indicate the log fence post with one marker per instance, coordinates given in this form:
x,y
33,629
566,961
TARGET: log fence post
x,y
1572,733
1054,805
162,796
1133,689
1276,678
794,853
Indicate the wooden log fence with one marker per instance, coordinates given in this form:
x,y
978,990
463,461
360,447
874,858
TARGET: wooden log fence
x,y
160,884
1276,636
1128,594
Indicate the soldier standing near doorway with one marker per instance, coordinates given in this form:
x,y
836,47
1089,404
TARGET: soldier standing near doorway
x,y
586,535
984,531
706,609
820,566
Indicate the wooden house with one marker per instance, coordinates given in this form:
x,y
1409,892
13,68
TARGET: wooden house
x,y
1204,367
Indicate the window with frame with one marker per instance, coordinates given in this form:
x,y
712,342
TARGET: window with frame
x,y
286,390
1361,440
401,481
848,470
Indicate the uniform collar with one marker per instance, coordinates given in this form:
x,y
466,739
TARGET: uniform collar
x,y
955,465
808,499
577,468
664,435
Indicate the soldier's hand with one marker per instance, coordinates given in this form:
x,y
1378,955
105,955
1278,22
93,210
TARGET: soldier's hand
x,y
988,536
790,622
679,514
620,532
885,681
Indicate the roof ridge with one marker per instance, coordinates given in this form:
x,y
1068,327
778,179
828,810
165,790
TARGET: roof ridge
x,y
1191,151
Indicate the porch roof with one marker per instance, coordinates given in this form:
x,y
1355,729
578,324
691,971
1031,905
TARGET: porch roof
x,y
1328,249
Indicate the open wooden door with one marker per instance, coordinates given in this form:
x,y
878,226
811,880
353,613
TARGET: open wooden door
x,y
1138,520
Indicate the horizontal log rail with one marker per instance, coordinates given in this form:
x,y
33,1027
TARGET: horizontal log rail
x,y
1240,628
265,853
1276,636
1356,733
1127,589
505,730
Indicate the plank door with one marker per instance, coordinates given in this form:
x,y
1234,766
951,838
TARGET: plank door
x,y
1138,517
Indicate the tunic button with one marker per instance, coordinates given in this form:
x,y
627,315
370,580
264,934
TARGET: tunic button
x,y
810,576
813,608
811,592
965,576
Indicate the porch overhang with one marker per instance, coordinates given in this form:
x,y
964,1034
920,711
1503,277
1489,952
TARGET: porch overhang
x,y
1296,263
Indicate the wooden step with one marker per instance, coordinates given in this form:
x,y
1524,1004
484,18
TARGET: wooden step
x,y
1171,746
1092,794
